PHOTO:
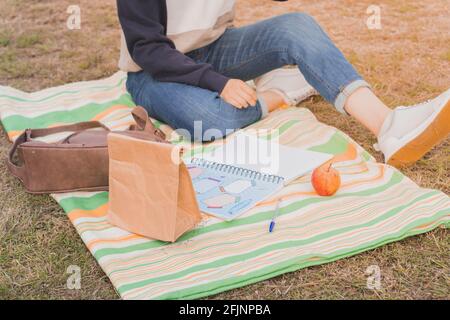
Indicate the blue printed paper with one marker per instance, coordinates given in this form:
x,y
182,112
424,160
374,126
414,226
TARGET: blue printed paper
x,y
227,192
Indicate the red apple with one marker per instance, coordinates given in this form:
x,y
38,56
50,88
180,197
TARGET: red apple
x,y
326,180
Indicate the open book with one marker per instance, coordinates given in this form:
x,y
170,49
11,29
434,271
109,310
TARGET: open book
x,y
245,171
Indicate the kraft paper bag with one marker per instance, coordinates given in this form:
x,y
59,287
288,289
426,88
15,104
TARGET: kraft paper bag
x,y
150,189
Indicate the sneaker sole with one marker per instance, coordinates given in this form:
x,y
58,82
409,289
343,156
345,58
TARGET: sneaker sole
x,y
420,145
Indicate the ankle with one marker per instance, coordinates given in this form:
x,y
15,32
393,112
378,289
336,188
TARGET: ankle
x,y
273,99
370,111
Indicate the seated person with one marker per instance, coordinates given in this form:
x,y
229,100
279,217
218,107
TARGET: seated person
x,y
187,66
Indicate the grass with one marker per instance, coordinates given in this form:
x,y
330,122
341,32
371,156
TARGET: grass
x,y
5,38
28,40
446,55
407,61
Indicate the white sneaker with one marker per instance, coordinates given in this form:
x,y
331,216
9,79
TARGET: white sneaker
x,y
410,132
289,82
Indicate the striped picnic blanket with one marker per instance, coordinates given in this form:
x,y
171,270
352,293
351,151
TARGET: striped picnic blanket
x,y
376,205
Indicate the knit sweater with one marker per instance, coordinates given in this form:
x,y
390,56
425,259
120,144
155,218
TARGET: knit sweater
x,y
157,33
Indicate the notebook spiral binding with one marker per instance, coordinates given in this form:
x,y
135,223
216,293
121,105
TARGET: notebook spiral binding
x,y
246,173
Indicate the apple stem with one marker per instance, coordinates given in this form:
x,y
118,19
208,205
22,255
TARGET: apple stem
x,y
329,167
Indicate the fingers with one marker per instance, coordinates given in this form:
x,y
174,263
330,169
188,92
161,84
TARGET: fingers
x,y
248,97
250,92
247,94
238,102
239,94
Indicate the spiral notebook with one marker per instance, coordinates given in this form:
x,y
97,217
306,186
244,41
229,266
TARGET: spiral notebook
x,y
228,188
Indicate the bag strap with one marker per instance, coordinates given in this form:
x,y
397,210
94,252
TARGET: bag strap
x,y
143,122
139,114
17,171
36,133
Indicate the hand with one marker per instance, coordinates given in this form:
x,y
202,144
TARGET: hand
x,y
239,94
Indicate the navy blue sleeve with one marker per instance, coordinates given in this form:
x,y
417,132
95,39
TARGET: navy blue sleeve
x,y
144,23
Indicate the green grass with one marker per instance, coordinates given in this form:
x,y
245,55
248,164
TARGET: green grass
x,y
5,38
13,66
28,40
91,61
38,242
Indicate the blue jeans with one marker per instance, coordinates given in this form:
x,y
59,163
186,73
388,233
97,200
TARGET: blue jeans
x,y
246,53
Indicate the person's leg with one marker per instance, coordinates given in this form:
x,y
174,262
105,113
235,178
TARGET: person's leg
x,y
368,109
291,39
201,113
272,99
404,134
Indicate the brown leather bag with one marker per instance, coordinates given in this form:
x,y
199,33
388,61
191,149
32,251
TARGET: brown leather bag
x,y
77,163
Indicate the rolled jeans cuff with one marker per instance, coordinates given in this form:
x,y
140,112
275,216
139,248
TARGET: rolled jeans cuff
x,y
341,99
264,107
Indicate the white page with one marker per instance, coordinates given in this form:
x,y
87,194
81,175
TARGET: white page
x,y
253,153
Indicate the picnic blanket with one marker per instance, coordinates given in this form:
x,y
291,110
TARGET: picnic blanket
x,y
376,205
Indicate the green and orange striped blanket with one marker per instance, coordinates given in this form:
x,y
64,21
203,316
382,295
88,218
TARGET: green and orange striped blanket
x,y
376,205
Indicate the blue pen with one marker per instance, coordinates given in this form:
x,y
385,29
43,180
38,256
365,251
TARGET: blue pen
x,y
275,215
